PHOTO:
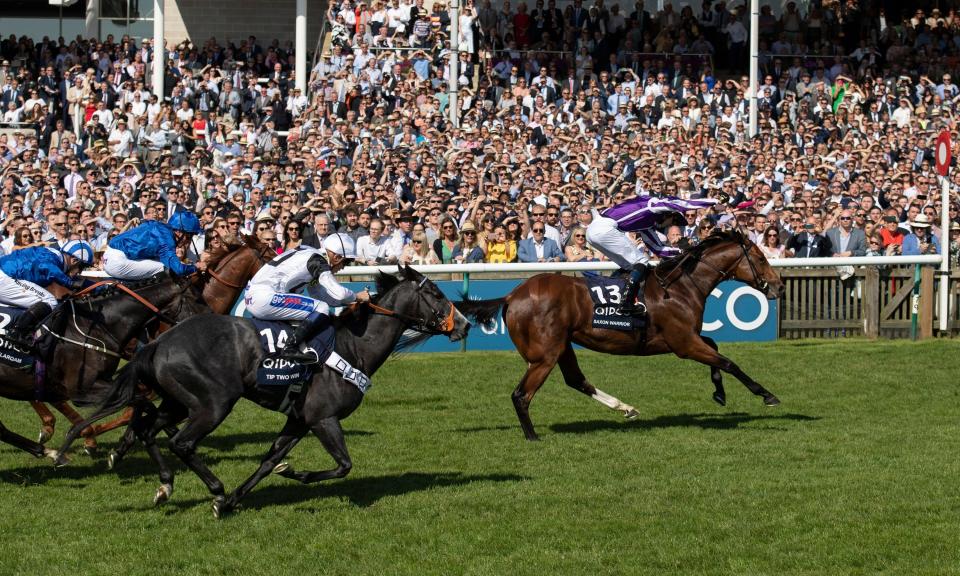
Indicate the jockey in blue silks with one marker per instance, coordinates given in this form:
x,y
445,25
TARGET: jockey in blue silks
x,y
151,247
274,294
607,233
25,275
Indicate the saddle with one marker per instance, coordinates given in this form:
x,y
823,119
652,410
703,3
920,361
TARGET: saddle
x,y
13,354
605,292
281,380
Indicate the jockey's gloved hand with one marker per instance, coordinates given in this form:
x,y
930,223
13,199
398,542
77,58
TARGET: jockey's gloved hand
x,y
684,244
78,284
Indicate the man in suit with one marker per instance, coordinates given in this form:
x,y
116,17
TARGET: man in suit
x,y
539,248
846,239
808,243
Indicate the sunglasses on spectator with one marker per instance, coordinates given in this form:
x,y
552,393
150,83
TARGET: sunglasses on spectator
x,y
417,241
579,235
846,218
293,228
538,229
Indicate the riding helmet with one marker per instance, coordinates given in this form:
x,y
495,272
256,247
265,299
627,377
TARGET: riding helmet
x,y
185,222
340,244
79,250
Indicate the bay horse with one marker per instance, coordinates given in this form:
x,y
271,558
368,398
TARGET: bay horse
x,y
203,387
227,274
96,329
548,313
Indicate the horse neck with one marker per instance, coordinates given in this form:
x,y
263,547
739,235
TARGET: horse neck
x,y
237,269
369,349
711,270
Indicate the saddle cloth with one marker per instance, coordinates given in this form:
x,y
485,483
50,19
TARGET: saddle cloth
x,y
9,355
605,293
280,380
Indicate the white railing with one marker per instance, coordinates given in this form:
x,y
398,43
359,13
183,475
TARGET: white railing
x,y
601,266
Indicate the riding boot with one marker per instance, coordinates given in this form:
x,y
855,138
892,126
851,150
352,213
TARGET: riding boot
x,y
22,330
628,302
310,326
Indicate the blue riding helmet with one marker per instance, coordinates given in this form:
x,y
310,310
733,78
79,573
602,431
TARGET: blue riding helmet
x,y
79,250
185,222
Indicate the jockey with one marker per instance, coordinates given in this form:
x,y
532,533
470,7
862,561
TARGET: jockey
x,y
25,274
273,294
607,233
151,247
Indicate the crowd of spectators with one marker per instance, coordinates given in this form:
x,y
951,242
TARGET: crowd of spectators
x,y
559,113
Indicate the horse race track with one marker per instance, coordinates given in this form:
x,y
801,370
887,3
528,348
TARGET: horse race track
x,y
857,472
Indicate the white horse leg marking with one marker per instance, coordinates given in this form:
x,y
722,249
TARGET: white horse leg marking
x,y
614,404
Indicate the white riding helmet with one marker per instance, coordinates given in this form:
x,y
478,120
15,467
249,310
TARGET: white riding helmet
x,y
341,244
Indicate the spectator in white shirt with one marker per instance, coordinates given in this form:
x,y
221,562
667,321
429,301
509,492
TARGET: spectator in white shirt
x,y
375,247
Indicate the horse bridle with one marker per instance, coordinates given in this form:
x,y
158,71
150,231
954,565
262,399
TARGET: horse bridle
x,y
442,323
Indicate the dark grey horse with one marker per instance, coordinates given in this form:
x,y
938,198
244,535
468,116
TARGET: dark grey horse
x,y
201,384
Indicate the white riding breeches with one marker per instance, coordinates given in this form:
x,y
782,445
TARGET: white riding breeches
x,y
22,293
265,304
604,235
117,265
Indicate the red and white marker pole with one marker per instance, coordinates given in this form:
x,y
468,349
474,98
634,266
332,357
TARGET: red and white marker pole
x,y
942,153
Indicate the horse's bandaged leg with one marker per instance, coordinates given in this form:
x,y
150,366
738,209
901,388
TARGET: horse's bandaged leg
x,y
606,399
614,404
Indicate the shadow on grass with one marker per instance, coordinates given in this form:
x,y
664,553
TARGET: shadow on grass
x,y
730,421
360,492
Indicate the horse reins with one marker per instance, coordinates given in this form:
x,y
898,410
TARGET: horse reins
x,y
724,274
443,324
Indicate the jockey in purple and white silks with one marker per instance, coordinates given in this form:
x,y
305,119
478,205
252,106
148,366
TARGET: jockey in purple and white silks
x,y
607,233
274,294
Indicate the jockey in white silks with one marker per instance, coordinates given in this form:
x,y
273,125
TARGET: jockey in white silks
x,y
607,233
273,294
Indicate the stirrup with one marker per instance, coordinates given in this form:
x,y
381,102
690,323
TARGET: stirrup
x,y
635,309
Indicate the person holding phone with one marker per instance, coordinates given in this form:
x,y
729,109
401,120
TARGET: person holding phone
x,y
810,242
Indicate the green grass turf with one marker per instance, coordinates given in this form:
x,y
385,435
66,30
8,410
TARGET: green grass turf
x,y
855,473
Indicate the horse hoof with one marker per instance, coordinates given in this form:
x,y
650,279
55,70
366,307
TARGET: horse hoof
x,y
45,434
720,399
112,460
163,494
282,468
91,451
59,459
220,507
631,414
771,401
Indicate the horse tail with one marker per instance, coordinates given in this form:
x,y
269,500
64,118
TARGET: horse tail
x,y
111,399
483,311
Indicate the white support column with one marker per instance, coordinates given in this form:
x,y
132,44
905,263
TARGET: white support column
x,y
159,54
452,106
754,64
300,47
91,24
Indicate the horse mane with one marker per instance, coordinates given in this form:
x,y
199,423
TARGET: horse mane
x,y
689,258
244,241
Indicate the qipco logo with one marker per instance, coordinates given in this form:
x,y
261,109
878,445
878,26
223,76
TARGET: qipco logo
x,y
756,319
